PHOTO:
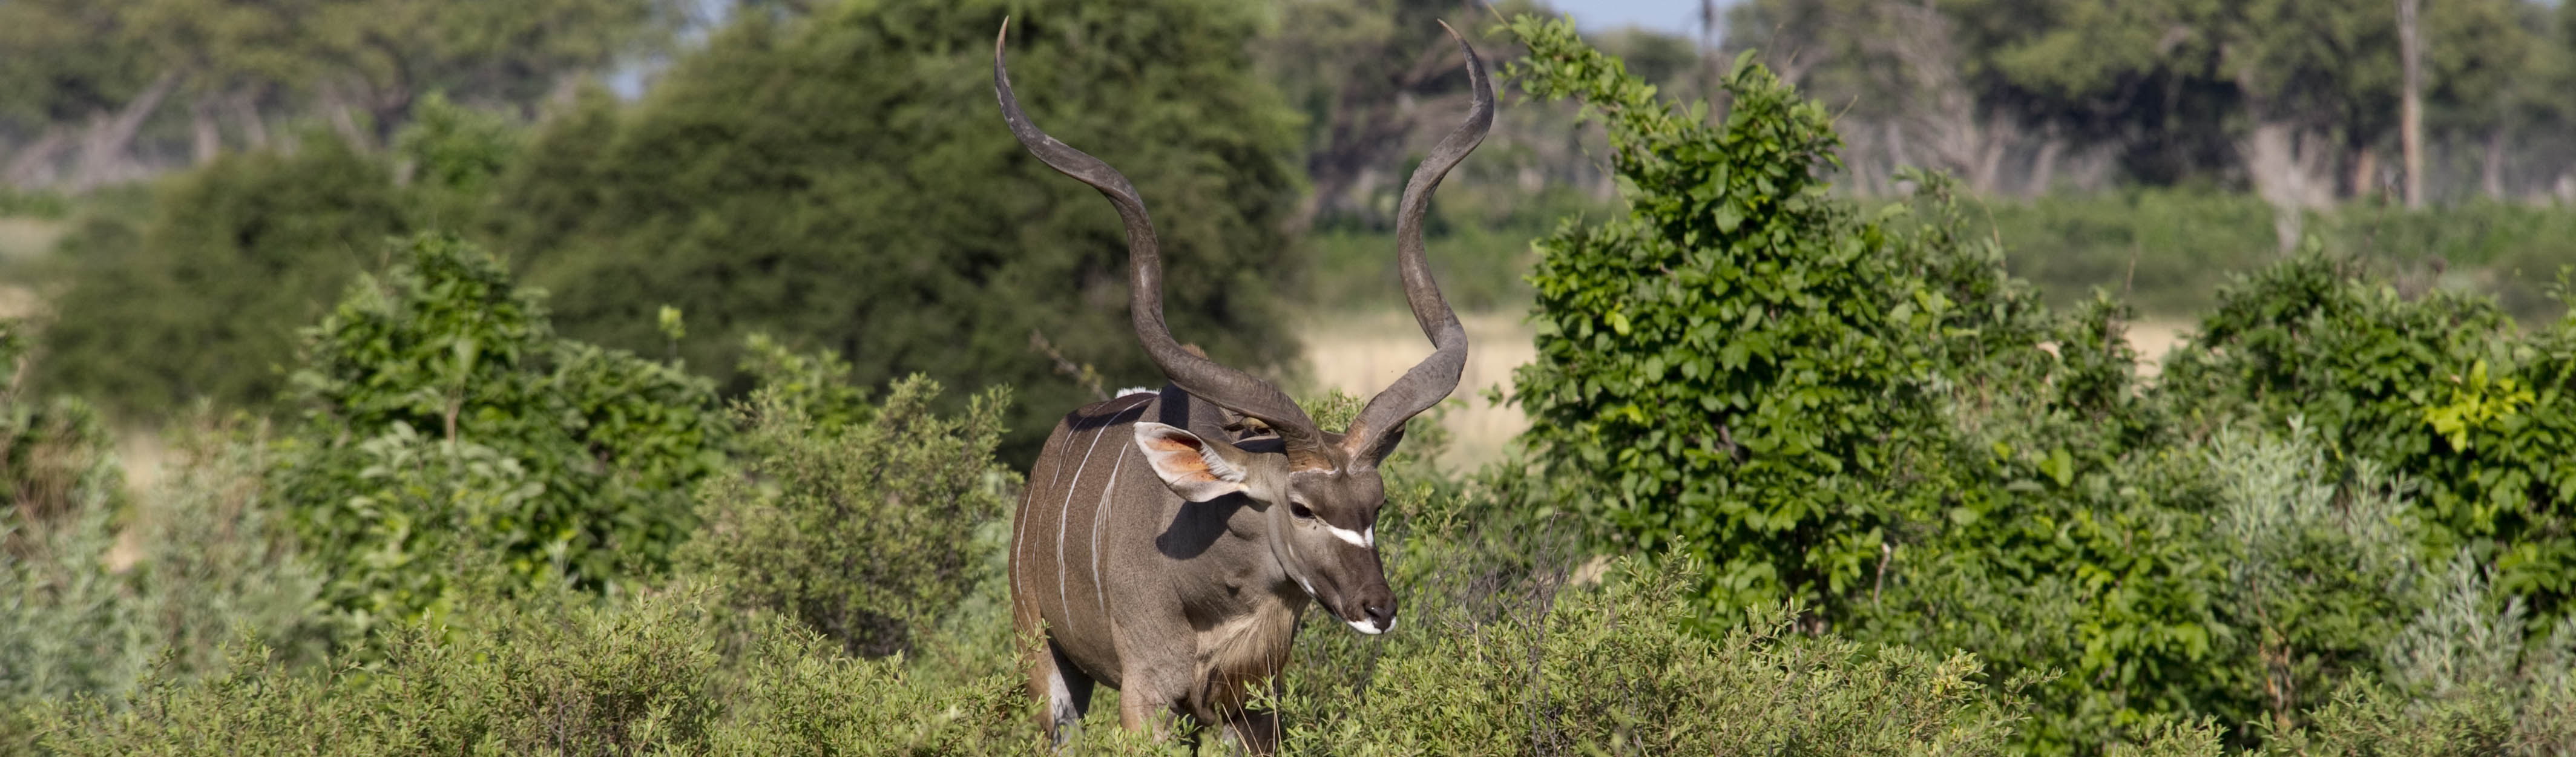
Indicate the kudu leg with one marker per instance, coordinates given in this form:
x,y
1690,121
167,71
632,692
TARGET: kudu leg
x,y
1253,732
1064,689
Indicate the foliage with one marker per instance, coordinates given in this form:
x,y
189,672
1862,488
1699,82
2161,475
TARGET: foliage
x,y
361,65
1733,367
2438,387
2169,250
1480,255
842,181
188,296
785,528
444,414
449,159
1865,412
557,675
198,303
1614,671
2183,93
83,612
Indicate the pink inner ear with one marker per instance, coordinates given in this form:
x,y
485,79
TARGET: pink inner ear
x,y
1178,458
1172,444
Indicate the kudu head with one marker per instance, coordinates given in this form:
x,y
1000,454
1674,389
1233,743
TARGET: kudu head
x,y
1318,491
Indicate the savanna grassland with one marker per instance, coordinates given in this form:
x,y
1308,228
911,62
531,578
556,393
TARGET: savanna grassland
x,y
517,415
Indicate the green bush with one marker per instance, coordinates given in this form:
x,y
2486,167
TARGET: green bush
x,y
195,294
83,612
855,529
47,205
2442,388
1618,670
556,675
842,181
200,300
1739,366
1480,253
443,412
2169,250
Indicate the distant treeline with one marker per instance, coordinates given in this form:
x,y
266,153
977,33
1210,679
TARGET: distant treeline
x,y
2303,101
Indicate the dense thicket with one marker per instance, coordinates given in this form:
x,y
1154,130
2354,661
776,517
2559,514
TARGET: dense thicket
x,y
113,90
195,295
197,302
443,415
843,181
2168,251
1858,410
2299,100
1880,499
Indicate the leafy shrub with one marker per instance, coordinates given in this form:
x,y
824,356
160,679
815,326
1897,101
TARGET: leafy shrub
x,y
842,181
2441,388
1616,670
2461,678
200,301
67,623
215,559
39,204
2169,250
557,675
196,293
83,612
1739,367
444,412
855,529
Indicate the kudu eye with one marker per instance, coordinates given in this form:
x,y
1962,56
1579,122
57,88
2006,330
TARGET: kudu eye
x,y
1299,509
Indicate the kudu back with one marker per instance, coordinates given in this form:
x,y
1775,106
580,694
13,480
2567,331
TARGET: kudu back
x,y
1166,545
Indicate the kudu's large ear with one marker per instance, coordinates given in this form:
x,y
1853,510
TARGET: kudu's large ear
x,y
1192,466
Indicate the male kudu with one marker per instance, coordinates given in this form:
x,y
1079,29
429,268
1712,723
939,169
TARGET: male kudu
x,y
1167,551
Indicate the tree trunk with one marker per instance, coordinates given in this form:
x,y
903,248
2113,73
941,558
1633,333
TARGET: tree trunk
x,y
2365,170
336,102
205,135
33,166
103,149
2043,169
2491,165
245,107
2410,109
2285,177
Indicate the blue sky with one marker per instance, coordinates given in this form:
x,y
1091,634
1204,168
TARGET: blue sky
x,y
1667,15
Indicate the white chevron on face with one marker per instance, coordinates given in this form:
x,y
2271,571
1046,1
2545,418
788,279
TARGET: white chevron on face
x,y
1356,538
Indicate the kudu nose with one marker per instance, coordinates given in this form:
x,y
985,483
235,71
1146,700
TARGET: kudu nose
x,y
1379,611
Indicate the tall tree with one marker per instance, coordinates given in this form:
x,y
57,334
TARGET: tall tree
x,y
2410,53
1367,73
842,181
86,76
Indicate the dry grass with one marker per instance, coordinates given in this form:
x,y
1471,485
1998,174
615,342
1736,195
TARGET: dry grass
x,y
22,238
1361,353
2152,338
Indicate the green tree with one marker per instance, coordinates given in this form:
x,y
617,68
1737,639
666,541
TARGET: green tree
x,y
858,529
445,417
1739,367
200,296
842,182
201,302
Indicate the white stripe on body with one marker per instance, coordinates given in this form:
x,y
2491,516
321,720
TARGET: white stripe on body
x,y
1020,531
1097,516
1064,519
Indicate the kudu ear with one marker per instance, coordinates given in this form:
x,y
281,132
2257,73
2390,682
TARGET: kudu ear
x,y
1190,465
